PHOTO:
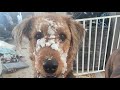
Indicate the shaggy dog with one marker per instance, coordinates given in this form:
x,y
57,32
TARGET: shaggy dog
x,y
54,43
113,65
1,56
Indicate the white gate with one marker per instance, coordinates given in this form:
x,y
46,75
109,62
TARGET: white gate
x,y
102,37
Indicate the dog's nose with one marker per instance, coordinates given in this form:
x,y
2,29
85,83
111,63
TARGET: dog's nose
x,y
50,66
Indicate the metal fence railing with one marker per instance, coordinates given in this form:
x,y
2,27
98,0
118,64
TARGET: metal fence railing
x,y
92,56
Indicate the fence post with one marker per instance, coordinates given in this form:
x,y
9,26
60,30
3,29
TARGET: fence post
x,y
117,31
111,33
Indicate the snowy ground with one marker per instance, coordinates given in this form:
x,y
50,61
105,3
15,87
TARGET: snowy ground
x,y
28,72
22,73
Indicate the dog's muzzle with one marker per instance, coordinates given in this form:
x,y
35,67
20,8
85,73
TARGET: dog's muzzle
x,y
50,66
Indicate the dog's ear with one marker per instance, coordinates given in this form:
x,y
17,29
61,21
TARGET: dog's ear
x,y
77,33
22,29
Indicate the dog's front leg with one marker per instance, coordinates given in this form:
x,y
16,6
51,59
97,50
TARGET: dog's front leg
x,y
33,66
69,72
70,75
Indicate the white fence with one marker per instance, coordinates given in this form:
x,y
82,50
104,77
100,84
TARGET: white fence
x,y
97,43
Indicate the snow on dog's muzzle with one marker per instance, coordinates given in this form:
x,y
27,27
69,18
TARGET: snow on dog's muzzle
x,y
51,57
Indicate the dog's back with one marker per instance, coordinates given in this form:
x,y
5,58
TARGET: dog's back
x,y
113,65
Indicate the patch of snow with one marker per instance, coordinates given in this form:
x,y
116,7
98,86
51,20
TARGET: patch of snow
x,y
64,68
48,44
52,23
52,41
63,58
49,21
52,36
55,46
41,42
6,45
52,26
38,42
51,31
37,48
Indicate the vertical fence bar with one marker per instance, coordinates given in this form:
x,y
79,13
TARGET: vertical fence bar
x,y
77,64
83,48
113,35
101,43
118,41
89,45
106,43
95,44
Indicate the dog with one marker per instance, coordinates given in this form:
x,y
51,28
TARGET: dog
x,y
1,56
54,42
112,69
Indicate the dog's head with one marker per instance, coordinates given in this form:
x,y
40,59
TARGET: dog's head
x,y
54,42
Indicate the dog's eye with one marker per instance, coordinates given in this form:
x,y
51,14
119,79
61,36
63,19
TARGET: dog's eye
x,y
62,36
39,35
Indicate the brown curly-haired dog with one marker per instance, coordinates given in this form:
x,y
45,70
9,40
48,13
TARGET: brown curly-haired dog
x,y
54,42
112,69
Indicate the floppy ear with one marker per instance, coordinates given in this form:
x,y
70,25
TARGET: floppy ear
x,y
22,29
77,33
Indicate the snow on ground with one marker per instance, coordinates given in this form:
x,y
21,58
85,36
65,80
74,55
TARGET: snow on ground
x,y
28,72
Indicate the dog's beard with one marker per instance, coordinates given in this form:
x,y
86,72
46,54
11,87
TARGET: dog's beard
x,y
41,43
49,76
63,59
52,42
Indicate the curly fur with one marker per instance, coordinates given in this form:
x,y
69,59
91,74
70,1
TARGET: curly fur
x,y
73,30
